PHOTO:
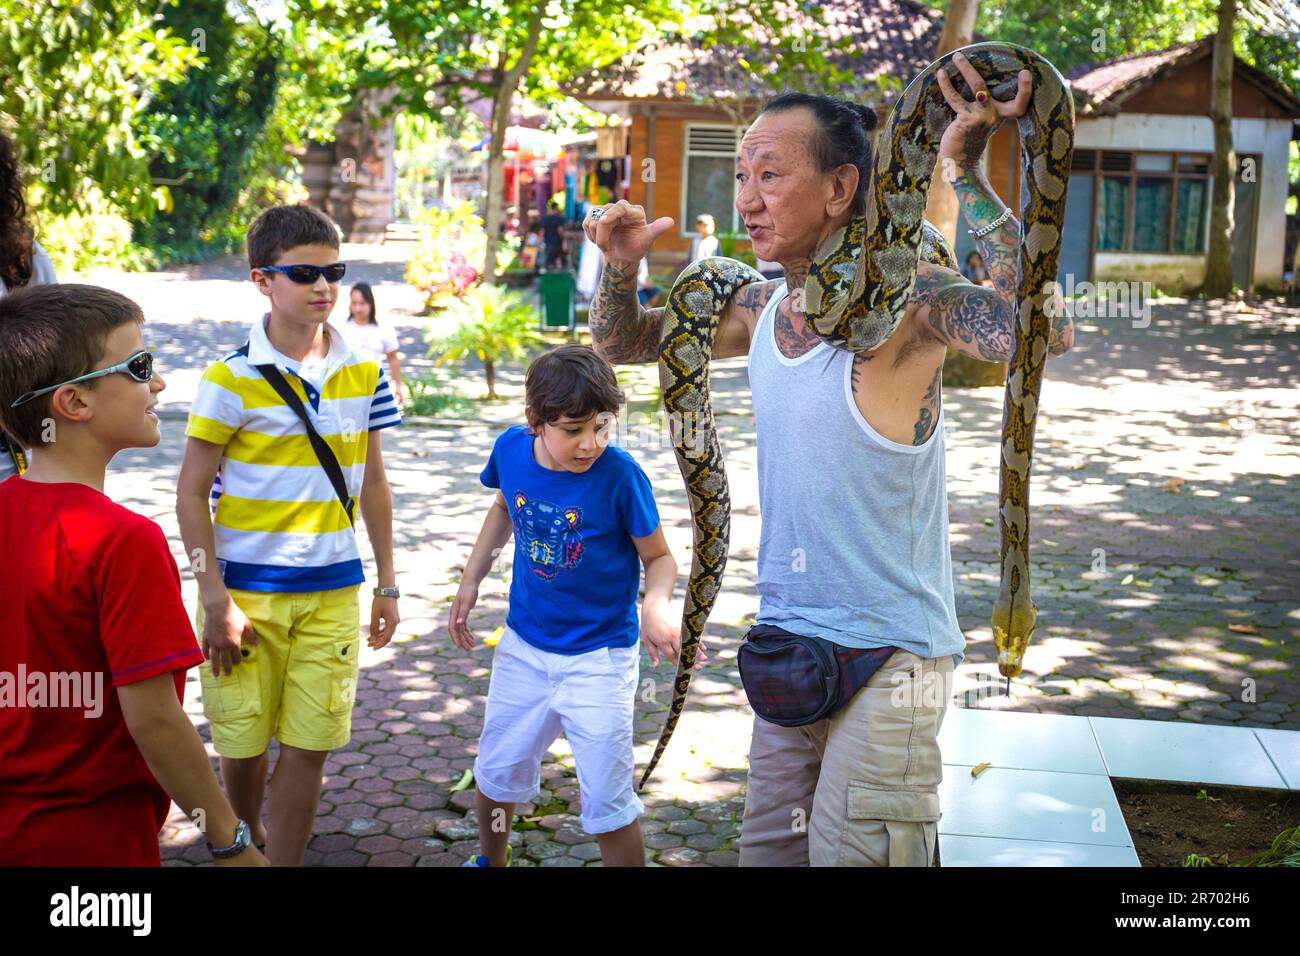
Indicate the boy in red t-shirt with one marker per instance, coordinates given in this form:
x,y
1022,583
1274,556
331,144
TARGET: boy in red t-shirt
x,y
96,641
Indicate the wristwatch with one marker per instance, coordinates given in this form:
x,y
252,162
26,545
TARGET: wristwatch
x,y
387,592
243,839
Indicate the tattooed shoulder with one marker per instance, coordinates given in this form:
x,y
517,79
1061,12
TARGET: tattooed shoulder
x,y
749,301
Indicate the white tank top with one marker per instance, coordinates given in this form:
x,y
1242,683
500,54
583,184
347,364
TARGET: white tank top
x,y
854,545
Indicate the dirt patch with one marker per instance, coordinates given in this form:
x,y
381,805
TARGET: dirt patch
x,y
1170,821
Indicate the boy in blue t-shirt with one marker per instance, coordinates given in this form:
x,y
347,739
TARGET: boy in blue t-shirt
x,y
582,513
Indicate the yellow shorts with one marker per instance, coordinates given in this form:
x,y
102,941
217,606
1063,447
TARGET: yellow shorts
x,y
299,681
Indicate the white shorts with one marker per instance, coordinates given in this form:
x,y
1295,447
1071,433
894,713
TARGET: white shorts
x,y
536,695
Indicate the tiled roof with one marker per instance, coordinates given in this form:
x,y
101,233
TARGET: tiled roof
x,y
1103,87
1094,84
895,38
892,37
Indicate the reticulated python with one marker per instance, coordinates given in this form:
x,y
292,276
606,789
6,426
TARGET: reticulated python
x,y
854,298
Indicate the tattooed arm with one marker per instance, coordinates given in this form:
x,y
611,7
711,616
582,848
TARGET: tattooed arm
x,y
626,333
622,330
1000,249
978,320
973,321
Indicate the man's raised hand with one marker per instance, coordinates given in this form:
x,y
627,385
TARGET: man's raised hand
x,y
621,232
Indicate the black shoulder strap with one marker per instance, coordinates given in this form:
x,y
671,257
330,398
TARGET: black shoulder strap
x,y
324,453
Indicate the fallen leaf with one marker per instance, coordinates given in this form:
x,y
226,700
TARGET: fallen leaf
x,y
988,521
494,637
1243,628
1174,486
1050,541
1128,579
465,781
976,771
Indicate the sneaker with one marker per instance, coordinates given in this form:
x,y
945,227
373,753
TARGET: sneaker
x,y
478,859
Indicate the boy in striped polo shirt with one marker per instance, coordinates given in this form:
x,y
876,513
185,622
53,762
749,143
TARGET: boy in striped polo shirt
x,y
277,564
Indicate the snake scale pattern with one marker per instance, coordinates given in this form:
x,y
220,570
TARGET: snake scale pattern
x,y
855,297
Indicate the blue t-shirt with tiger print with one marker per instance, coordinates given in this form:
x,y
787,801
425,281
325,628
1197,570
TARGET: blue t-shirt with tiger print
x,y
576,572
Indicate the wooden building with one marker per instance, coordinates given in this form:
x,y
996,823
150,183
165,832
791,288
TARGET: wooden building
x,y
1139,197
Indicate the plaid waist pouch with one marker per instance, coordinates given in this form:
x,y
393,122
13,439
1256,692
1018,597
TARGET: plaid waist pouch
x,y
792,680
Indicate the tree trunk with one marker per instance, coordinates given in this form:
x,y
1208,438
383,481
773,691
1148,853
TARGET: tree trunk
x,y
959,369
1218,265
501,105
958,29
491,371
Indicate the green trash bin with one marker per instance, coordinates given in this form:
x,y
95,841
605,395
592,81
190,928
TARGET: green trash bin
x,y
558,294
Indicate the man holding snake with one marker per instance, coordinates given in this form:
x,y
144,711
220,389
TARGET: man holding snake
x,y
852,481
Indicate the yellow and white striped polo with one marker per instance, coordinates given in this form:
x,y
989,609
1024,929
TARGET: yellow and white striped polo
x,y
279,525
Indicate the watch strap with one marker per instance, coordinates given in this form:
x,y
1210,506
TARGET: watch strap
x,y
243,840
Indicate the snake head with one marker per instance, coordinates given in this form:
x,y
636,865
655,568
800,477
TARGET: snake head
x,y
1013,626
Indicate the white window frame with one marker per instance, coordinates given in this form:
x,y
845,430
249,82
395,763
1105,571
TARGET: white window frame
x,y
737,225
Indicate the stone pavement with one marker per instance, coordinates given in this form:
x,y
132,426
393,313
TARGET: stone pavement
x,y
1164,557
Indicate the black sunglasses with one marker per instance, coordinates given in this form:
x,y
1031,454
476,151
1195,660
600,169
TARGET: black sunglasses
x,y
307,275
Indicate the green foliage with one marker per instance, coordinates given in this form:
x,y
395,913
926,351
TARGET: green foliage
x,y
433,396
98,236
236,127
509,249
76,77
1284,851
448,260
1073,32
209,125
730,245
498,325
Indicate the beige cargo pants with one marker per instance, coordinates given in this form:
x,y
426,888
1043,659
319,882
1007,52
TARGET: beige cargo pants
x,y
860,788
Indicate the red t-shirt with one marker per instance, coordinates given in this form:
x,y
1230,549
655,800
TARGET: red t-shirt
x,y
87,589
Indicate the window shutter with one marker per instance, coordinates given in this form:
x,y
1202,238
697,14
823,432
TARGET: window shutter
x,y
712,141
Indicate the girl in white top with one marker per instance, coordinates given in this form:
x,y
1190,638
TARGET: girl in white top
x,y
365,335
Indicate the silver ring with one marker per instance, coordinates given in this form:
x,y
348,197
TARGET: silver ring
x,y
597,213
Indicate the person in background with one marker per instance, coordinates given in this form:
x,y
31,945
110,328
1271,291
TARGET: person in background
x,y
646,290
705,243
364,333
22,263
975,270
553,236
530,252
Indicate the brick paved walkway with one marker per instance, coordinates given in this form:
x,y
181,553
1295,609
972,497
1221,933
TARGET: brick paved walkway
x,y
1164,557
